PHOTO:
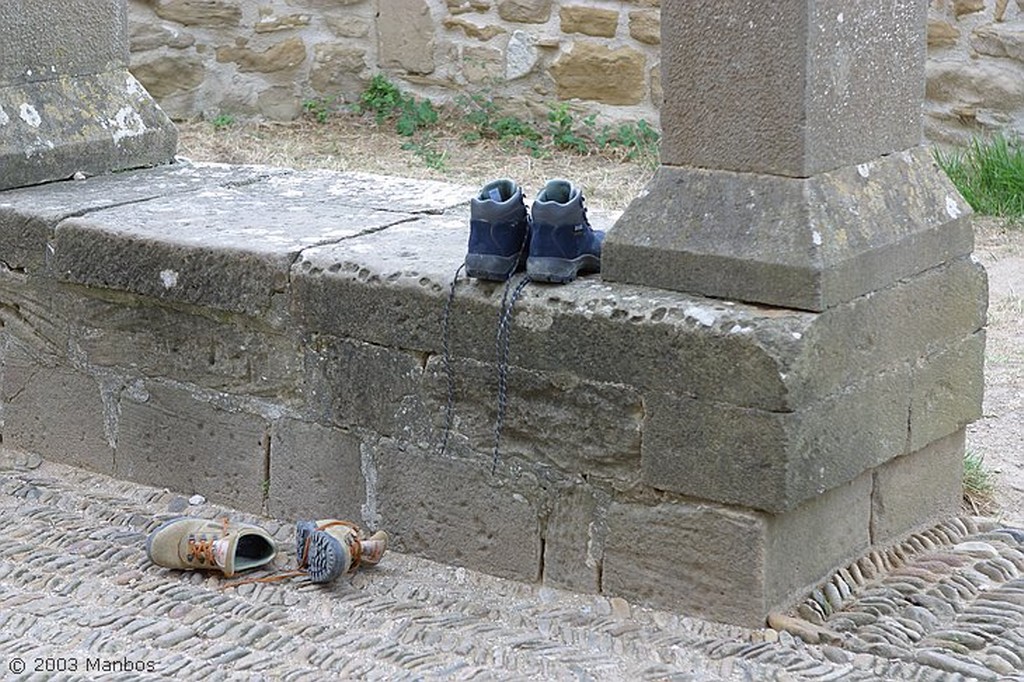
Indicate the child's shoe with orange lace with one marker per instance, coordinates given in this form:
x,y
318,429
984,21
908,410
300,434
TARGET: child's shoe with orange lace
x,y
187,543
328,548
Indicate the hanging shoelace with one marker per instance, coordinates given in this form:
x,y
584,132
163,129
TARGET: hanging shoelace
x,y
502,346
446,361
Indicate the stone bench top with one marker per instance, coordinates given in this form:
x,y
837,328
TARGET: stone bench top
x,y
372,257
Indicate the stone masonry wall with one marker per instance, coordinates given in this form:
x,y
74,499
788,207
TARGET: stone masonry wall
x,y
975,68
265,57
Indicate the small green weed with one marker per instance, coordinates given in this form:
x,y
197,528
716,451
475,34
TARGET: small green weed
x,y
386,101
562,128
979,489
989,174
222,121
320,108
424,149
638,140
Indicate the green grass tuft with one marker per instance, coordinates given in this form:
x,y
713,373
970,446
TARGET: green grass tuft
x,y
979,488
989,174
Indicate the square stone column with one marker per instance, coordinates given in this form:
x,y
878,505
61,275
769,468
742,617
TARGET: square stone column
x,y
793,177
792,173
67,101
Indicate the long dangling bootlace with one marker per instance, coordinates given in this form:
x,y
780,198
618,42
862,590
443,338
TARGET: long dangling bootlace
x,y
446,359
502,345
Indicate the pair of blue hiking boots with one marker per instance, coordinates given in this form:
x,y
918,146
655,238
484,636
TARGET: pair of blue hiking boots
x,y
554,243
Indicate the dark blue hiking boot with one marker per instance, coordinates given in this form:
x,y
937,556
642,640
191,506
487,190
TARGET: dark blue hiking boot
x,y
498,231
562,243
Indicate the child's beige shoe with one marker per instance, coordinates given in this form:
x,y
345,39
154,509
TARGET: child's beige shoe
x,y
187,543
328,548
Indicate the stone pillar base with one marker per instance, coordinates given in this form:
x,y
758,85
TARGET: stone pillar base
x,y
806,243
52,129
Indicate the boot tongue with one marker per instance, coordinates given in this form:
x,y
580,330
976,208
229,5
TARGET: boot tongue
x,y
222,553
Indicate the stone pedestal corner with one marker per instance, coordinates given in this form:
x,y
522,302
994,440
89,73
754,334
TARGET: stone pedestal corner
x,y
67,102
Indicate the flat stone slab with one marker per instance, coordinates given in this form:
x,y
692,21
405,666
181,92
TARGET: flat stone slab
x,y
230,244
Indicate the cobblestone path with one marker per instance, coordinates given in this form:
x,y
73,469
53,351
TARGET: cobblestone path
x,y
80,601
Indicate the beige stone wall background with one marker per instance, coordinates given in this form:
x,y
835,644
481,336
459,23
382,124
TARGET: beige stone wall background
x,y
975,68
201,58
265,57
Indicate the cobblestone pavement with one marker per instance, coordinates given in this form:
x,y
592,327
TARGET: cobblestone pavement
x,y
79,600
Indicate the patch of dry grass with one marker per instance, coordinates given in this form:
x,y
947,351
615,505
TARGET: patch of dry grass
x,y
348,142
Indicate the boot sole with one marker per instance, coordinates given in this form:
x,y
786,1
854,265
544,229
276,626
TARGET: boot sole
x,y
325,561
494,268
561,270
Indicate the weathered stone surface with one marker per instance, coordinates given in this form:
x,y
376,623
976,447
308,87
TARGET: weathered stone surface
x,y
166,75
525,11
418,494
482,64
590,21
521,55
208,13
472,30
773,460
37,36
599,73
347,26
803,243
917,489
999,40
574,541
334,64
224,353
825,97
388,288
725,564
775,360
91,124
53,411
464,6
359,385
801,554
962,7
578,426
998,83
405,32
937,308
315,472
168,436
941,34
218,257
947,389
645,26
286,54
144,36
29,216
271,23
34,312
657,93
279,103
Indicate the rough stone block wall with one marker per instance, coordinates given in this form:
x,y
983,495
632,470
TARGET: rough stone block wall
x,y
975,68
265,58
